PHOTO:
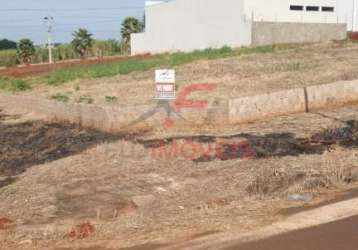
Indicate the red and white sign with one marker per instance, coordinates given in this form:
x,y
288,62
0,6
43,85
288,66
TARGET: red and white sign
x,y
165,84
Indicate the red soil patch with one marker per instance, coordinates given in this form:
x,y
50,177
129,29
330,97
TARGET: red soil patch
x,y
38,69
82,231
5,223
354,36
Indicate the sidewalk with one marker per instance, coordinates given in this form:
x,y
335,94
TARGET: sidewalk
x,y
331,227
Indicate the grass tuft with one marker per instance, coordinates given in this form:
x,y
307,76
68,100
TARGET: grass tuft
x,y
60,98
110,99
14,85
86,100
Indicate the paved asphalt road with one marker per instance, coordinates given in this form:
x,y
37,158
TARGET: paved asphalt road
x,y
339,235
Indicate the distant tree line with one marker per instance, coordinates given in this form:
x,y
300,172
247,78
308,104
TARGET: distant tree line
x,y
7,44
83,45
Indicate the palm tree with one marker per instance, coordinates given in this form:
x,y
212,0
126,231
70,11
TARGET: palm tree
x,y
130,25
82,42
25,50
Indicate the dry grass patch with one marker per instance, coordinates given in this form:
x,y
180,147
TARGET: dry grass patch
x,y
236,76
331,173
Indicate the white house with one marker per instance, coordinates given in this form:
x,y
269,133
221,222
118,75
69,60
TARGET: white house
x,y
186,25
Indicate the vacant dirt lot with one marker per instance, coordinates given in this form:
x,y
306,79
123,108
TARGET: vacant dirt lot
x,y
63,187
238,76
66,187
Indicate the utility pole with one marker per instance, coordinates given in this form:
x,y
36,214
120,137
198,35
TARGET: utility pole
x,y
354,16
49,22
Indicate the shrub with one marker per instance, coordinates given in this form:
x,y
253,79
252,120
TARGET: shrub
x,y
8,58
106,48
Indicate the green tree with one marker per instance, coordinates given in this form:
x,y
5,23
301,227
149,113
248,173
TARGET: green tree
x,y
82,42
25,50
7,44
130,25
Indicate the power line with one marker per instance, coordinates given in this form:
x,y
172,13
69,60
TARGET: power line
x,y
102,18
61,24
24,23
84,22
73,9
95,15
30,25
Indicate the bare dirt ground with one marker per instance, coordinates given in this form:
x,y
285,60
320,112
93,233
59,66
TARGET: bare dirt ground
x,y
237,76
64,187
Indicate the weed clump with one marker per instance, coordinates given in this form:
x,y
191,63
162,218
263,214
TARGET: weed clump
x,y
86,100
60,98
14,85
111,99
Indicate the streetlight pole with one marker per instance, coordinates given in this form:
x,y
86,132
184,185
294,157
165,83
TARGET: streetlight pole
x,y
354,16
49,22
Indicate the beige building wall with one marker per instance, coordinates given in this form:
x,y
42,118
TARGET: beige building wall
x,y
187,25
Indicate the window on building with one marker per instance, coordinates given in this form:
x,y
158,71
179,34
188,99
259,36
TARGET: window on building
x,y
312,8
296,7
328,9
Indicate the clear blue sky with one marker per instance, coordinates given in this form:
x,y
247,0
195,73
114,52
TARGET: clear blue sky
x,y
24,18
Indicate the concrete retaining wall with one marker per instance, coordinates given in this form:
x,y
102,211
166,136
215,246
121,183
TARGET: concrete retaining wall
x,y
239,110
264,33
108,118
247,109
334,94
258,107
103,118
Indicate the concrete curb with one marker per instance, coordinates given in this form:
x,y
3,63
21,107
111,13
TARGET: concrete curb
x,y
303,220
